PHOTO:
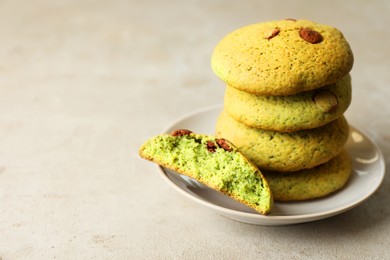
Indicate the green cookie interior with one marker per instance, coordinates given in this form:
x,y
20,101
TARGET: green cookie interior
x,y
202,158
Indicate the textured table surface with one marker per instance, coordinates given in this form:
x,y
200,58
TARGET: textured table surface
x,y
84,83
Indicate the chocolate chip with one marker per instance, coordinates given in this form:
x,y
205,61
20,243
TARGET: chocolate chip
x,y
224,144
310,35
211,146
325,100
272,34
291,19
181,132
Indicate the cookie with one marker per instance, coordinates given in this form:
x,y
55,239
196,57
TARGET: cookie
x,y
282,57
305,110
212,161
282,151
313,183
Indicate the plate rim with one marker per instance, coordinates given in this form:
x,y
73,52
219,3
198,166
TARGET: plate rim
x,y
275,219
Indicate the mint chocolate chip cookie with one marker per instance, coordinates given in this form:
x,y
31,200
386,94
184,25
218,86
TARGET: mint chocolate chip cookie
x,y
282,151
313,183
282,57
212,161
304,110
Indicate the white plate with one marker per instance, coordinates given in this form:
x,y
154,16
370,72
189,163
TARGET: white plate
x,y
368,173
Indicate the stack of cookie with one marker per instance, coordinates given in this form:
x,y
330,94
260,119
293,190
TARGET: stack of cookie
x,y
288,86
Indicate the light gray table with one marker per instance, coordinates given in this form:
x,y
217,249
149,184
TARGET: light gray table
x,y
84,83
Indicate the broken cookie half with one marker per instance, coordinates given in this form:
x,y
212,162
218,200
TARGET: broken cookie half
x,y
215,162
